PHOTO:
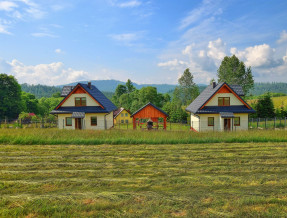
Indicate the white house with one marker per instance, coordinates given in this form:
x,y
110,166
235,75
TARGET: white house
x,y
84,107
219,107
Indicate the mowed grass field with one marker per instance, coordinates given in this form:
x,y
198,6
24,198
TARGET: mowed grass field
x,y
277,101
192,180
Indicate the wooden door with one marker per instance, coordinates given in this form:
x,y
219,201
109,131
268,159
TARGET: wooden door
x,y
227,124
78,122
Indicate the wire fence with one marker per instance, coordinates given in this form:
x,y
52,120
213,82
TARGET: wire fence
x,y
24,123
253,123
268,123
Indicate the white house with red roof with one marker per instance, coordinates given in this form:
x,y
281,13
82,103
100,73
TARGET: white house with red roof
x,y
84,107
220,107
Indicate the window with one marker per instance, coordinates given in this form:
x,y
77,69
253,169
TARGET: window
x,y
122,115
127,121
94,121
126,114
80,101
224,101
122,121
236,121
210,121
68,121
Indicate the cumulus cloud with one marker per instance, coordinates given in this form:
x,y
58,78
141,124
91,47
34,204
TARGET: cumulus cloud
x,y
172,63
283,37
216,50
257,56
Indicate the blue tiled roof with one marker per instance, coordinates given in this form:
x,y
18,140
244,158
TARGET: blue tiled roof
x,y
96,94
218,109
85,109
208,93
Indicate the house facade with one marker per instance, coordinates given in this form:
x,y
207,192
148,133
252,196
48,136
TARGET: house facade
x,y
122,116
84,107
220,108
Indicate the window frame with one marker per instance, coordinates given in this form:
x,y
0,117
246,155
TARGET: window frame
x,y
67,120
238,122
126,121
212,121
223,101
96,121
81,101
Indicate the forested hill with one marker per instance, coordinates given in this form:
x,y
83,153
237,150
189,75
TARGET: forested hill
x,y
261,88
40,90
108,88
111,85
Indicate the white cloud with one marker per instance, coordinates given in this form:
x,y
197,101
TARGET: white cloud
x,y
283,37
50,74
124,37
44,35
3,29
58,51
208,8
256,56
7,6
216,50
187,50
172,63
129,4
126,4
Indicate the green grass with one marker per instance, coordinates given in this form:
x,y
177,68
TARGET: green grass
x,y
197,180
91,137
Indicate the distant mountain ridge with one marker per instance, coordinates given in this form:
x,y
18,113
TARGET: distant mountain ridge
x,y
111,85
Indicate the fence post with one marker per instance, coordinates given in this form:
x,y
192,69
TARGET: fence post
x,y
257,122
127,125
265,122
280,122
274,122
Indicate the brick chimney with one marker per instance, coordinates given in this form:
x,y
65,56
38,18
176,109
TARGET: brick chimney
x,y
90,84
213,84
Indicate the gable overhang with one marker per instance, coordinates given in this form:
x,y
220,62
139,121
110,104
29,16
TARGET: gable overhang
x,y
77,89
153,106
123,109
223,89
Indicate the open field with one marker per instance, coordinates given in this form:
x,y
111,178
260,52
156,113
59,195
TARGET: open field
x,y
131,137
278,101
246,179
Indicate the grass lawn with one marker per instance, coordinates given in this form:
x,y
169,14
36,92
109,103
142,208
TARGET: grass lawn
x,y
216,180
91,137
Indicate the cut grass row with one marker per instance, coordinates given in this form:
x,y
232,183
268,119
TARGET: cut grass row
x,y
90,137
211,180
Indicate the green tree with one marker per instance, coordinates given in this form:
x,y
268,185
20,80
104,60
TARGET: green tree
x,y
29,103
130,86
233,71
188,90
10,97
265,107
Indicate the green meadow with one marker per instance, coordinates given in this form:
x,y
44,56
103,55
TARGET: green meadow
x,y
171,180
131,137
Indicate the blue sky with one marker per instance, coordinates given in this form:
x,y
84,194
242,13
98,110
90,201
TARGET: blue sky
x,y
57,42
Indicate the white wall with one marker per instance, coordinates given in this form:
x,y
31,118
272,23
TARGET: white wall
x,y
233,100
87,121
70,102
219,122
194,122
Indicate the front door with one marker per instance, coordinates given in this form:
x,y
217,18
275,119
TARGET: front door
x,y
227,124
78,122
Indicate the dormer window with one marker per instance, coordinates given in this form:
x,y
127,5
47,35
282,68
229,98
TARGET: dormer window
x,y
80,101
224,101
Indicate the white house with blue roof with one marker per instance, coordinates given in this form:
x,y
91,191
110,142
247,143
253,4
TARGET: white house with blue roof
x,y
219,108
84,107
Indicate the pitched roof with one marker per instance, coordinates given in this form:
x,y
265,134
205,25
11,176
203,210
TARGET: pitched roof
x,y
208,93
118,111
152,106
105,104
238,89
66,90
218,109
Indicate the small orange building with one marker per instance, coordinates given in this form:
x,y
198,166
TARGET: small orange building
x,y
149,111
